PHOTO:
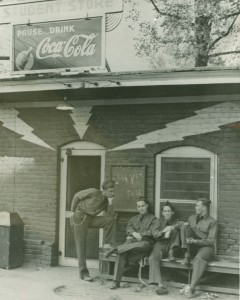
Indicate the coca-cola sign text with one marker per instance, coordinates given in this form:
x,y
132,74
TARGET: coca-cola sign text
x,y
59,45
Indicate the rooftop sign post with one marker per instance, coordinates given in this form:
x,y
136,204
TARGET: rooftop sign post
x,y
73,44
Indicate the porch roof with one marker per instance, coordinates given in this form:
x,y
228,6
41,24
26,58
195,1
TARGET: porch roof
x,y
196,85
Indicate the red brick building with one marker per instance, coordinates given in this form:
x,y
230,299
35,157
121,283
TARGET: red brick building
x,y
180,130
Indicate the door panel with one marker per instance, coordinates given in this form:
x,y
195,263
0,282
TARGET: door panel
x,y
82,169
83,172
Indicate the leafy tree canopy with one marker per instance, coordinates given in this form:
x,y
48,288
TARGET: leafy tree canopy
x,y
184,33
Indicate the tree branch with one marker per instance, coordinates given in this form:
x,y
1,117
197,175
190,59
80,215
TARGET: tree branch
x,y
224,53
237,13
223,35
162,12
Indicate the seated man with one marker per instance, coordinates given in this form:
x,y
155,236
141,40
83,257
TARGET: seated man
x,y
86,205
198,240
165,246
140,239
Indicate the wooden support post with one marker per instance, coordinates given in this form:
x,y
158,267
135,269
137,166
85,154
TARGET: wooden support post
x,y
189,275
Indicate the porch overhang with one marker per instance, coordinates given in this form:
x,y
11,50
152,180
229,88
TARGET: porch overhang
x,y
122,88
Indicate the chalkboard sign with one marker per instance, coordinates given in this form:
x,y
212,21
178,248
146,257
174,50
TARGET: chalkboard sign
x,y
129,185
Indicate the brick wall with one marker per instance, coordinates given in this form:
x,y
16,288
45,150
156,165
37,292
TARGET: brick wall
x,y
30,183
29,179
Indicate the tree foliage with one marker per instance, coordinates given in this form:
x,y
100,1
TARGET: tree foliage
x,y
187,32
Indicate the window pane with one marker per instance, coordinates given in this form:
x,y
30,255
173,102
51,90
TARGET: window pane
x,y
185,178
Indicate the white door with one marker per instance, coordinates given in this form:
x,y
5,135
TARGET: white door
x,y
82,167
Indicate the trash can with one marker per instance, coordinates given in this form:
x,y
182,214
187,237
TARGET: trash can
x,y
11,240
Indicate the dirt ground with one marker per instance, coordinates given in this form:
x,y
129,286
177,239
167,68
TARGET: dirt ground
x,y
49,283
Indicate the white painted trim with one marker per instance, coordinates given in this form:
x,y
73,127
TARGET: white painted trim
x,y
186,151
83,146
109,80
191,152
157,186
62,223
78,149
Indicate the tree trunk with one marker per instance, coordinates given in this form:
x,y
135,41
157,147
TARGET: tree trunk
x,y
202,34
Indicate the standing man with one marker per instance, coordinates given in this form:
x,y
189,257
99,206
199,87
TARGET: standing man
x,y
86,205
165,246
141,230
198,240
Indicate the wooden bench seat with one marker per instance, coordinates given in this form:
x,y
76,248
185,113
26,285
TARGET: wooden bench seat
x,y
216,267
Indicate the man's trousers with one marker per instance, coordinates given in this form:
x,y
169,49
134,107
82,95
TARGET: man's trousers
x,y
202,254
81,224
130,252
161,250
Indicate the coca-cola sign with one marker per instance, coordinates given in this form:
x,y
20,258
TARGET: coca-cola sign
x,y
59,45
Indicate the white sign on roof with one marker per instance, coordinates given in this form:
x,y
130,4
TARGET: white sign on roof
x,y
57,9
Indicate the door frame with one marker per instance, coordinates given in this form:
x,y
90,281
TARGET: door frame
x,y
75,149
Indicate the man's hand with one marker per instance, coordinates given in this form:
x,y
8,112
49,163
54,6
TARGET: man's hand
x,y
167,234
191,241
110,201
137,236
71,219
168,228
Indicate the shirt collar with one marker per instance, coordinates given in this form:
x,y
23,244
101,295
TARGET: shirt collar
x,y
205,217
170,221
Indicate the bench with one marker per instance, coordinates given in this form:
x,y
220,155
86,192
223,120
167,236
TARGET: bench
x,y
215,268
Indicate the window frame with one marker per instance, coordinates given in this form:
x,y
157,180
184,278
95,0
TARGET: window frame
x,y
186,152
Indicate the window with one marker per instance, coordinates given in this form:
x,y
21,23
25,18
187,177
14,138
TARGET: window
x,y
184,174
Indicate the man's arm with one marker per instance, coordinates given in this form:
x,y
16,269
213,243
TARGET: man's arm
x,y
211,238
79,196
130,227
157,229
178,224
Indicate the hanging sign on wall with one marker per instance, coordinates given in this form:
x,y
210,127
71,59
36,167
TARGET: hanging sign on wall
x,y
48,46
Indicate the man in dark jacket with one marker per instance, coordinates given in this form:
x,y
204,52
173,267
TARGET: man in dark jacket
x,y
198,240
141,231
165,246
86,205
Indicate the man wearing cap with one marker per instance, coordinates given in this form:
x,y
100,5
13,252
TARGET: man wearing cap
x,y
86,205
141,231
198,240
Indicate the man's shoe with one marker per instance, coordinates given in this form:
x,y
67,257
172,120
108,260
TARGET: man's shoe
x,y
162,290
186,260
107,246
191,294
109,252
87,278
115,285
171,256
